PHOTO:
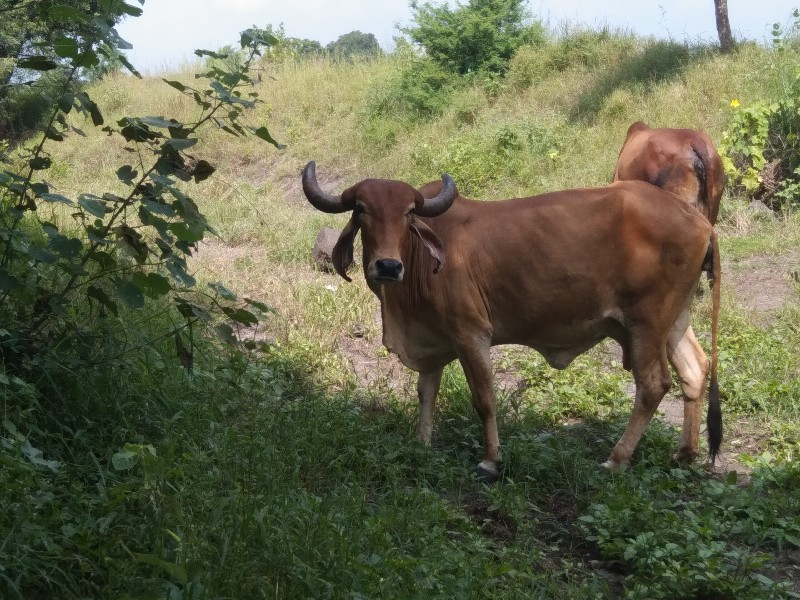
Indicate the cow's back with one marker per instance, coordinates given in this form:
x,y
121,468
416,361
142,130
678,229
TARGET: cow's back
x,y
682,161
553,268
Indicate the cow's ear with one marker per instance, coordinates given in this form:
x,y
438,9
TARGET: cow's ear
x,y
431,241
342,255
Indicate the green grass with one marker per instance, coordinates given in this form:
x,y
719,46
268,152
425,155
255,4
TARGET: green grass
x,y
283,475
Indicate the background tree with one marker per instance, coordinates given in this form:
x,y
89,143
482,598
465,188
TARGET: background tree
x,y
481,35
353,44
723,25
290,48
36,36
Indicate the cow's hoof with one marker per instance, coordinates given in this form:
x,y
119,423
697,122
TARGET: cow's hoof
x,y
487,472
685,456
611,465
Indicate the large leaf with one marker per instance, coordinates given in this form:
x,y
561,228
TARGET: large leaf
x,y
88,105
161,122
178,271
249,36
7,281
40,255
158,208
65,47
181,144
187,233
88,59
37,63
176,84
64,12
130,294
67,247
218,287
92,204
123,59
124,460
152,284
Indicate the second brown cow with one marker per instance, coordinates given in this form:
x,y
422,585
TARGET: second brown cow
x,y
681,161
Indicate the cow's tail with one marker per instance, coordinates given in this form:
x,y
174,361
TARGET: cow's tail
x,y
714,417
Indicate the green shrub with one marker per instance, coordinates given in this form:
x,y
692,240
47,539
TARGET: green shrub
x,y
481,157
420,89
573,48
481,35
667,527
354,44
761,147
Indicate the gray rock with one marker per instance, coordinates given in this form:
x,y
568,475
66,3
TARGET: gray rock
x,y
760,210
323,249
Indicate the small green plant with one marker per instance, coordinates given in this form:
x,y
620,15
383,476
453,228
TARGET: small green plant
x,y
668,528
761,148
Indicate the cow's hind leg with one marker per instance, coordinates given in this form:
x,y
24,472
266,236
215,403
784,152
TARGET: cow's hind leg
x,y
649,365
427,389
690,363
475,360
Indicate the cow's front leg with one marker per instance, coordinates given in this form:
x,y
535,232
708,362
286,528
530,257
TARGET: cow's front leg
x,y
475,360
427,389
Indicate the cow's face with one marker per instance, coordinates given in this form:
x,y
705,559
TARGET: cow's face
x,y
386,212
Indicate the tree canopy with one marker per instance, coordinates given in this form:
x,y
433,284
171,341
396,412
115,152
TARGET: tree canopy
x,y
480,35
352,44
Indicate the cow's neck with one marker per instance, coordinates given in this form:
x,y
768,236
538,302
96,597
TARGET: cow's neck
x,y
402,303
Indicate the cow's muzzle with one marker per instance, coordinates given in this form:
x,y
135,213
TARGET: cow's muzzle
x,y
388,270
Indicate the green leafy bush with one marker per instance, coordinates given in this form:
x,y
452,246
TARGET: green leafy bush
x,y
480,157
354,44
573,48
761,147
481,35
667,527
418,90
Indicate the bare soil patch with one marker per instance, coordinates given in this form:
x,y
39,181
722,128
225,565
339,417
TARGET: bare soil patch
x,y
761,283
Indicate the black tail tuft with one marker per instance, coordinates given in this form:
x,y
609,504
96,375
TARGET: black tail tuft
x,y
714,420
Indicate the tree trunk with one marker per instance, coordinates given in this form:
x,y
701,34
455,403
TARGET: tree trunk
x,y
723,25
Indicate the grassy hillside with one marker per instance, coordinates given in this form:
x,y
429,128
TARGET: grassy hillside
x,y
294,473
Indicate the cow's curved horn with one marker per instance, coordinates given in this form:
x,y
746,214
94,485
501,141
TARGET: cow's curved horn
x,y
433,207
321,200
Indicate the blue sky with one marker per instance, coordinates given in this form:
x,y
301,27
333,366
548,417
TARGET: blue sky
x,y
169,30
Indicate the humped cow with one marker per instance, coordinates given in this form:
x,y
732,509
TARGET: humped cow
x,y
557,272
681,161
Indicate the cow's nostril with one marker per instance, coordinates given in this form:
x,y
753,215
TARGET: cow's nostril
x,y
388,268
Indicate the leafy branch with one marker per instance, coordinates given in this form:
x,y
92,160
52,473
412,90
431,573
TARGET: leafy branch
x,y
132,246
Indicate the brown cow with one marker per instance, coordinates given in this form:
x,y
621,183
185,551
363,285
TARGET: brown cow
x,y
558,272
681,161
